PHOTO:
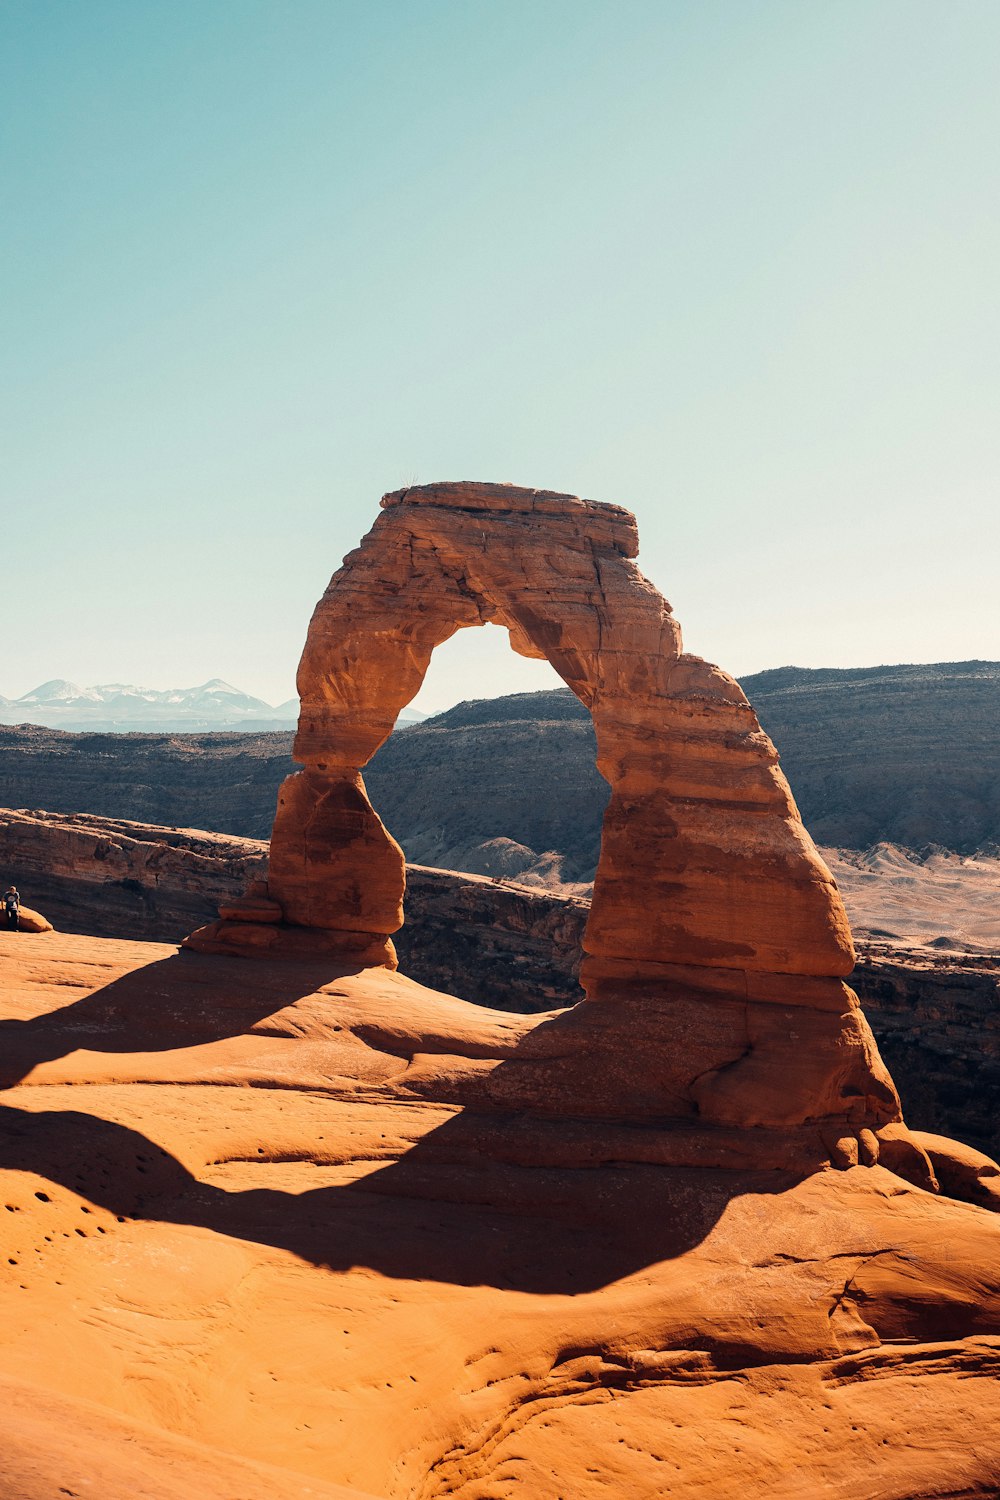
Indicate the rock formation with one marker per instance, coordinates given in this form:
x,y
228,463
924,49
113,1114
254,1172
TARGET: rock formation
x,y
717,942
497,943
245,1227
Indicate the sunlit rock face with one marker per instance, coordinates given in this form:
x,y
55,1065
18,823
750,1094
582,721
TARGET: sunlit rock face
x,y
717,941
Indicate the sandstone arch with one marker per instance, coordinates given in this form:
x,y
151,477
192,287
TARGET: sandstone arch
x,y
717,939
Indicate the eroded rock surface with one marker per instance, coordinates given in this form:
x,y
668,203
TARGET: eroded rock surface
x,y
935,1015
453,1251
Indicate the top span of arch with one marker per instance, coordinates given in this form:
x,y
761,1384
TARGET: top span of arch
x,y
611,524
554,570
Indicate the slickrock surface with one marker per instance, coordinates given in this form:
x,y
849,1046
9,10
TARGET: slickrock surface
x,y
246,1215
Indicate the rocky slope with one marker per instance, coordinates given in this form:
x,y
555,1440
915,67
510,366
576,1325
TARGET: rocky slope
x,y
113,878
933,899
505,787
907,755
224,782
502,944
935,1013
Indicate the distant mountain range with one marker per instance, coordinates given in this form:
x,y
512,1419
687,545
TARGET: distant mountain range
x,y
116,707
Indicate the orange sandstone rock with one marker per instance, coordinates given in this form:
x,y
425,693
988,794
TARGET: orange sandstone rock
x,y
717,940
254,1245
32,921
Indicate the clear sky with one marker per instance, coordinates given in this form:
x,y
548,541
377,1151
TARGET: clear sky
x,y
733,265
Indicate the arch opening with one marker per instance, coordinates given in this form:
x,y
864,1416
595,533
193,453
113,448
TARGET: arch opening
x,y
501,784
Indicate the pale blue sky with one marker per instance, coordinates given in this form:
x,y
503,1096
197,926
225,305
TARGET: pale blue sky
x,y
733,265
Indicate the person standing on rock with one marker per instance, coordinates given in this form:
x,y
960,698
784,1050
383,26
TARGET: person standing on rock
x,y
12,905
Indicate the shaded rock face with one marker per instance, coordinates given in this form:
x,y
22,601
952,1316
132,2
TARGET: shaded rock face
x,y
717,941
118,879
937,1020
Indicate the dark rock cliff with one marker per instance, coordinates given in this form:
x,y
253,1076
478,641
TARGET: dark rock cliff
x,y
907,754
225,782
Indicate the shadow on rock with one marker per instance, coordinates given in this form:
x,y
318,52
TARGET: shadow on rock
x,y
172,1003
444,1212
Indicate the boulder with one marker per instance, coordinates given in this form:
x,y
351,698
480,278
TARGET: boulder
x,y
32,921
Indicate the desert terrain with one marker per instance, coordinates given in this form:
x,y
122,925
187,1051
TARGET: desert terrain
x,y
253,1247
902,755
282,1219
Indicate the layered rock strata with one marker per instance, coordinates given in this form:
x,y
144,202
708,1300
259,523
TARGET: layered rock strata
x,y
118,879
224,782
717,942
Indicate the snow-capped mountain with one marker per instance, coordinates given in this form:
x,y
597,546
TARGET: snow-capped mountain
x,y
122,708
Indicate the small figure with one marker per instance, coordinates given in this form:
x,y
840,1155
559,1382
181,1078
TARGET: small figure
x,y
12,903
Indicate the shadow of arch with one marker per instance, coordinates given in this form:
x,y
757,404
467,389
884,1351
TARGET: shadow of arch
x,y
163,1006
443,1212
